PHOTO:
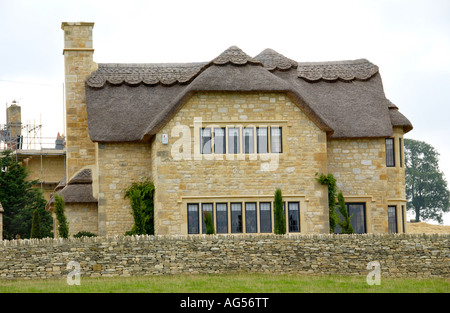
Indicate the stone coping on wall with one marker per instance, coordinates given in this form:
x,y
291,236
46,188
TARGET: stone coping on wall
x,y
114,238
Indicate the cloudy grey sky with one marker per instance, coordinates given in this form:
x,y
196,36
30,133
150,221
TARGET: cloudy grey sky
x,y
408,39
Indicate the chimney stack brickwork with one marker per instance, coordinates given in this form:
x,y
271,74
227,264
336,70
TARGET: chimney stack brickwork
x,y
78,63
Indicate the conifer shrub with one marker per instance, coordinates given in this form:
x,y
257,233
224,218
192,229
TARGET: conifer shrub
x,y
63,226
209,223
35,226
279,218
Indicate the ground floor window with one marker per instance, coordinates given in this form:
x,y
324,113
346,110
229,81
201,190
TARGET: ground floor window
x,y
236,217
294,217
193,218
358,220
392,219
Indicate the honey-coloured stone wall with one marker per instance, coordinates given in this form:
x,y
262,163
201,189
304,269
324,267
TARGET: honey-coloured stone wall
x,y
194,177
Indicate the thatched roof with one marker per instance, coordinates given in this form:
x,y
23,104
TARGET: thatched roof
x,y
78,190
131,102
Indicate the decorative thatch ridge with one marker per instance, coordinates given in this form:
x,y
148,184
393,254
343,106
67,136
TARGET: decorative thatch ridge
x,y
346,70
273,60
149,74
235,56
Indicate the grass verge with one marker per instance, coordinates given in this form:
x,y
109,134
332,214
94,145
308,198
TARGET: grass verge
x,y
229,283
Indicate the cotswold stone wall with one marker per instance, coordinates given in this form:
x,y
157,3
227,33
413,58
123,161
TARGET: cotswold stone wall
x,y
398,255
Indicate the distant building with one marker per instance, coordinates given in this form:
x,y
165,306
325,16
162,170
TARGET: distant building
x,y
45,163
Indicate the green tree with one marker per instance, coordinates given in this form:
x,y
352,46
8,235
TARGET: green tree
x,y
141,200
345,222
427,193
35,227
63,226
19,199
279,218
330,182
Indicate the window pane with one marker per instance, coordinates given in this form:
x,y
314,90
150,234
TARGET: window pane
x,y
294,217
236,217
392,219
219,140
390,156
250,217
262,140
400,146
233,140
275,139
205,140
265,217
207,208
193,218
247,137
222,218
359,217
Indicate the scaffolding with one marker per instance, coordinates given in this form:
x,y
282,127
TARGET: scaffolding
x,y
26,141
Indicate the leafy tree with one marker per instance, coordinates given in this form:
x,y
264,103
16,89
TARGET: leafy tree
x,y
141,200
19,199
63,226
344,223
426,188
279,218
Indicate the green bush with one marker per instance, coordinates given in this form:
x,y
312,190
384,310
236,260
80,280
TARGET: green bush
x,y
63,226
141,200
209,223
35,226
279,217
345,223
84,234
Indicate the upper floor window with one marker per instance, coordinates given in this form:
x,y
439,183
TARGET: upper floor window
x,y
390,152
276,140
238,139
220,146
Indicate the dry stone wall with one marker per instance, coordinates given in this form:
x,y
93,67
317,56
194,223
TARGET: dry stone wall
x,y
399,255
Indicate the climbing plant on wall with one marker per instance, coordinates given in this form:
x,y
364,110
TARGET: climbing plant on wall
x,y
141,200
330,182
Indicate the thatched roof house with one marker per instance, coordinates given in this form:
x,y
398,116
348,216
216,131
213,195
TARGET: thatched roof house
x,y
271,122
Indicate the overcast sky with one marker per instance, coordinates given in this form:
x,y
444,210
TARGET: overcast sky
x,y
408,39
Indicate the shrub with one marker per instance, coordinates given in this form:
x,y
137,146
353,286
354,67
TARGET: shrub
x,y
63,226
141,200
209,223
35,226
279,218
345,222
84,234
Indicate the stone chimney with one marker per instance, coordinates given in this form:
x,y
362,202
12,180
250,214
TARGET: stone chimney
x,y
14,125
78,64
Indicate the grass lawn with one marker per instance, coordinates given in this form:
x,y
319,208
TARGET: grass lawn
x,y
230,283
